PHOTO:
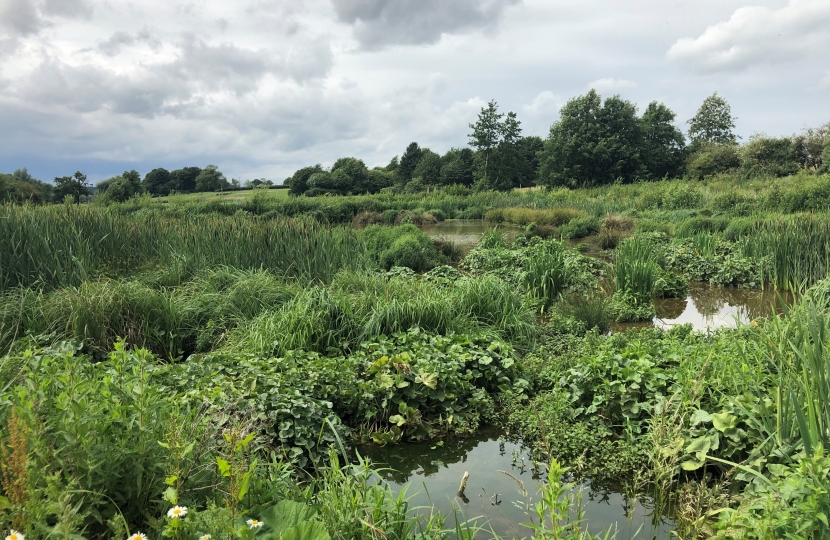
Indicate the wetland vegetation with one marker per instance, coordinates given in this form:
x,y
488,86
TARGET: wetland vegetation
x,y
215,367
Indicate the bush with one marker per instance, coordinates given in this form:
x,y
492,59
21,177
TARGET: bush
x,y
614,229
713,159
580,227
769,156
411,251
404,245
592,310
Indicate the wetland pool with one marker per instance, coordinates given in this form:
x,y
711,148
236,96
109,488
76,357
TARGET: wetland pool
x,y
433,470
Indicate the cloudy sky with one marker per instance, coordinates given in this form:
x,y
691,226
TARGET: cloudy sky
x,y
262,87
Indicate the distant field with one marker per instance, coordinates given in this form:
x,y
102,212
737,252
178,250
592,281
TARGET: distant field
x,y
226,195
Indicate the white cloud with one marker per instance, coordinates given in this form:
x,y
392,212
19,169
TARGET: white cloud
x,y
756,35
539,114
609,85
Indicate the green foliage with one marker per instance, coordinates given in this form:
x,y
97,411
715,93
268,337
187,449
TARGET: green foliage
x,y
593,143
404,245
794,504
580,227
713,122
768,156
711,159
75,186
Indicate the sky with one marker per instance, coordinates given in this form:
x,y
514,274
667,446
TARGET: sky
x,y
261,88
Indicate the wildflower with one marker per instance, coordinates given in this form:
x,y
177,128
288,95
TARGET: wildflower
x,y
204,537
14,535
254,523
177,512
138,536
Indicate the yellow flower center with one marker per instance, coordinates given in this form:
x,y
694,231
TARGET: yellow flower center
x,y
177,511
14,537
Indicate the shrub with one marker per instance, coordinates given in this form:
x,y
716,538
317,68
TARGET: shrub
x,y
712,159
769,156
580,227
592,310
404,245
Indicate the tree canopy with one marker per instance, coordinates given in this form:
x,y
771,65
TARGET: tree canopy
x,y
713,122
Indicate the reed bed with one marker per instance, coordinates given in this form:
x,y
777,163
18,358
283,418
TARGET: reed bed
x,y
796,249
64,246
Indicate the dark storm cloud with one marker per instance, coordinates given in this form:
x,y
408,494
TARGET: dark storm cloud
x,y
380,23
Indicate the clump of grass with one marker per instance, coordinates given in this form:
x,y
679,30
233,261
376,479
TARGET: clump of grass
x,y
592,309
614,229
797,249
367,218
545,274
636,269
493,239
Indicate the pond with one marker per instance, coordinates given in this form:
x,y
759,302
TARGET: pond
x,y
711,306
466,233
434,470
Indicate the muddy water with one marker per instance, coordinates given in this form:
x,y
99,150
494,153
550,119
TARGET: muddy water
x,y
434,472
466,233
710,307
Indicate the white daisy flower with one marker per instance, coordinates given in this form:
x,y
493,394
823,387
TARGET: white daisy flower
x,y
138,536
14,535
177,512
254,523
204,537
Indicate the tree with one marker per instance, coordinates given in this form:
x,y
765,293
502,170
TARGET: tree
x,y
664,145
592,143
528,149
184,180
75,186
21,186
409,160
457,167
210,179
428,168
713,122
120,188
157,182
484,138
350,175
298,183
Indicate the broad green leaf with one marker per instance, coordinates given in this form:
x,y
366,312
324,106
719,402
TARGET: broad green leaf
x,y
428,379
692,464
699,417
397,419
724,421
307,530
701,444
285,515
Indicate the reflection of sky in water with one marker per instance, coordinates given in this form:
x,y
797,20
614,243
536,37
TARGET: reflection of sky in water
x,y
710,306
434,473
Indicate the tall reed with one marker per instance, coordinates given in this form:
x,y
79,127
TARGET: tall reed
x,y
637,268
796,247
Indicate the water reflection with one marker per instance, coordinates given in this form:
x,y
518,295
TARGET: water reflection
x,y
711,306
466,233
434,471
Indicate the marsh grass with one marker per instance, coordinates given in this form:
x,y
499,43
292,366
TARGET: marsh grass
x,y
796,247
60,246
636,268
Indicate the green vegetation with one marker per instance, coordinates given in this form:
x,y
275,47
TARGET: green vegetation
x,y
221,353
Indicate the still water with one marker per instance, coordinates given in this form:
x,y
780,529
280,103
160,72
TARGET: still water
x,y
466,233
493,498
705,307
710,307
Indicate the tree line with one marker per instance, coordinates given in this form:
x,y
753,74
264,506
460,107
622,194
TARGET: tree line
x,y
21,186
594,142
